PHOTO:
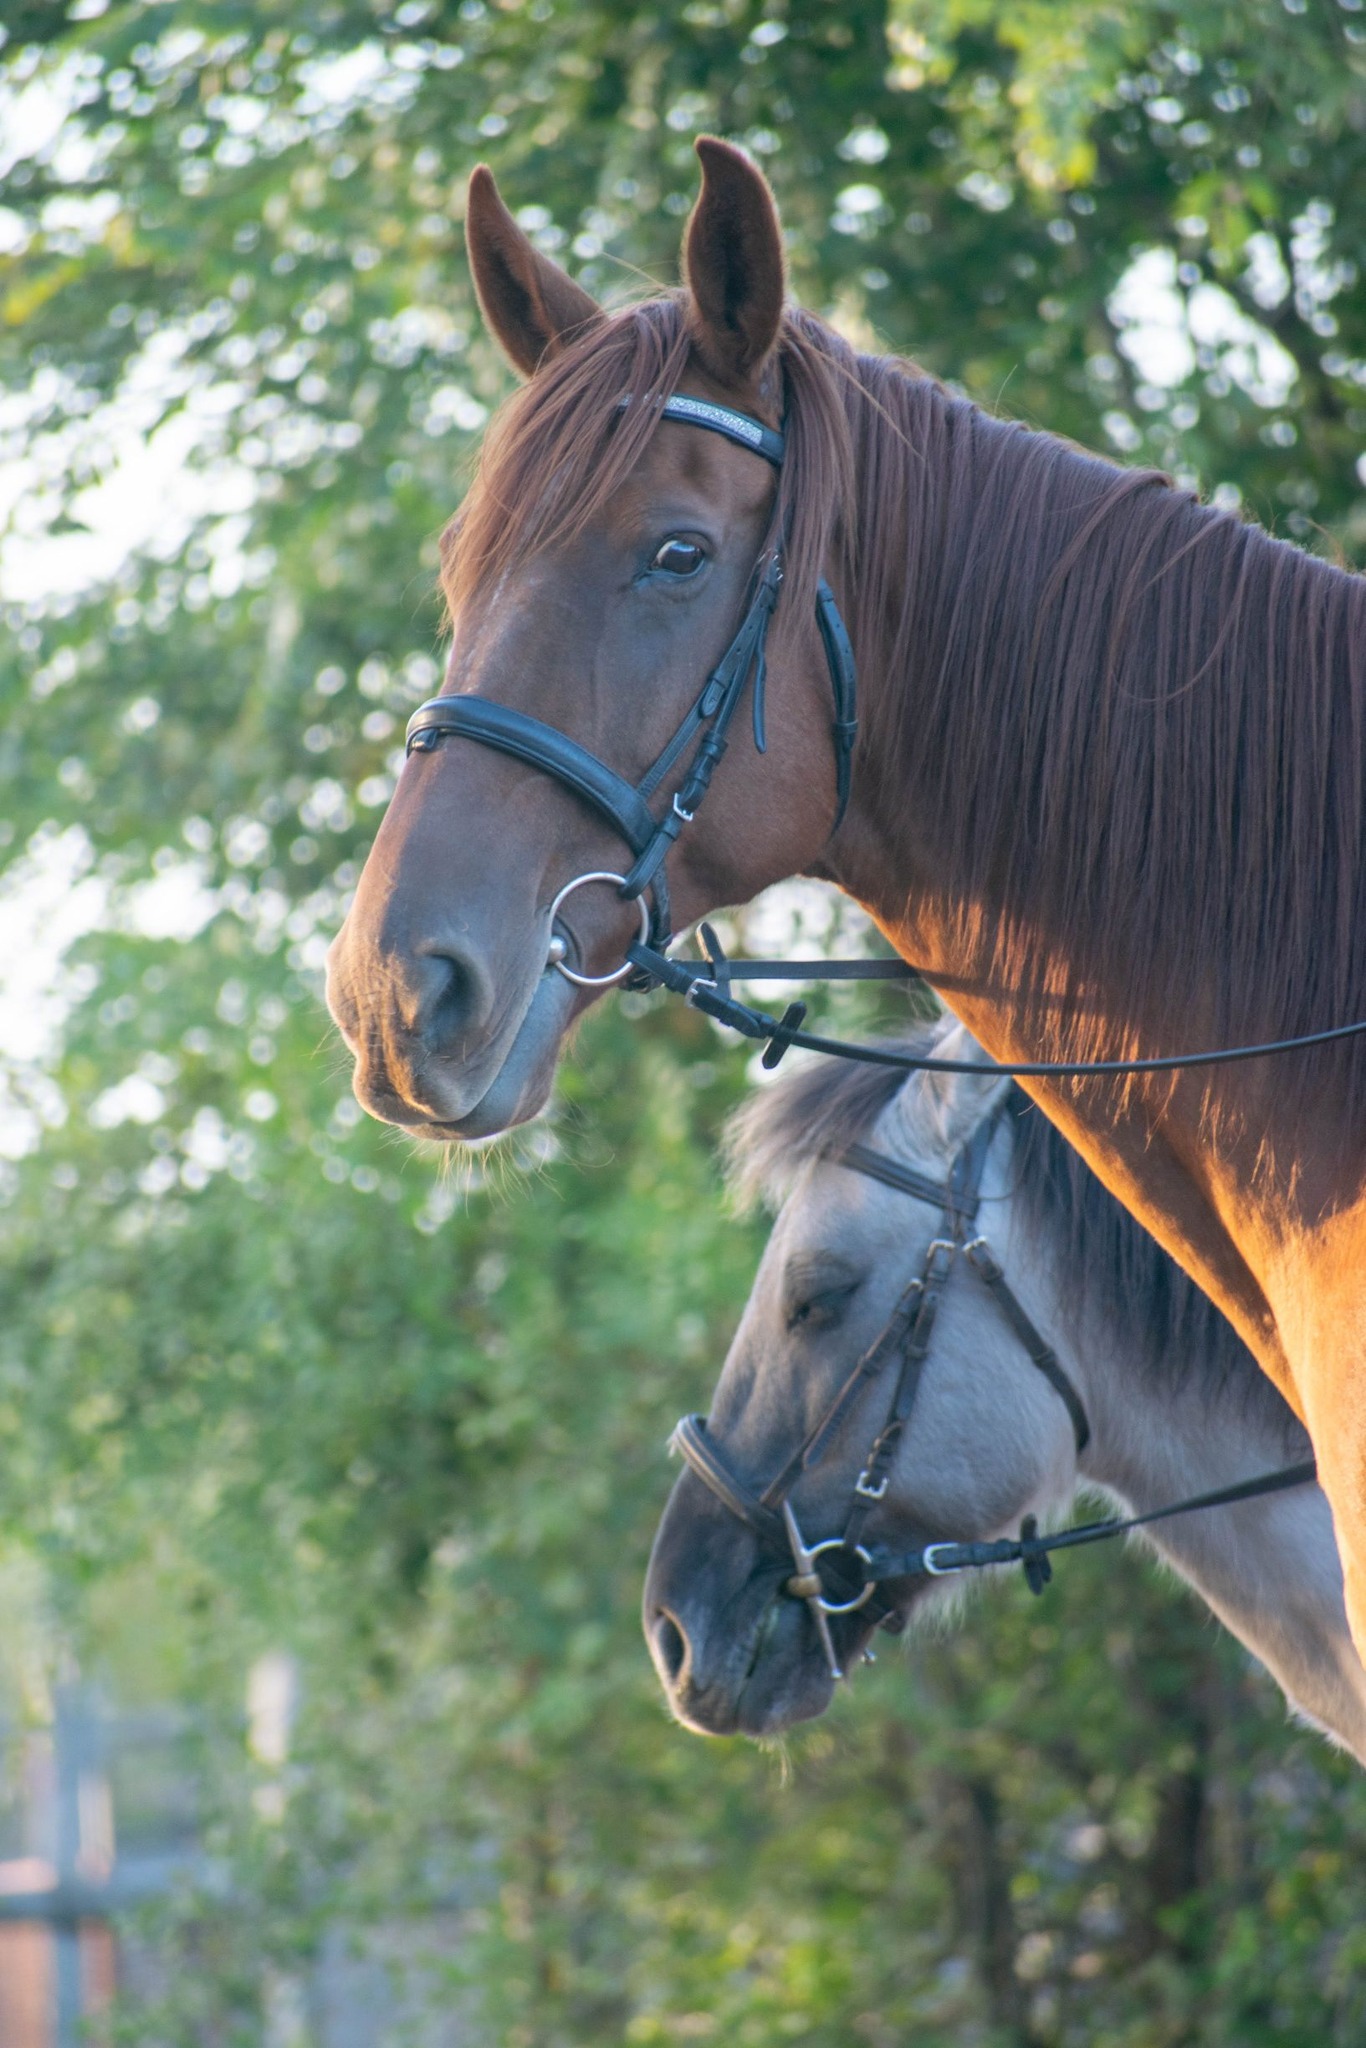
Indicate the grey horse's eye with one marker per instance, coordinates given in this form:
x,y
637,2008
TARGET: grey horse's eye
x,y
679,558
820,1311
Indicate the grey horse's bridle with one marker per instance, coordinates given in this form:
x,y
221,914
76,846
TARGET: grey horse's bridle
x,y
841,1574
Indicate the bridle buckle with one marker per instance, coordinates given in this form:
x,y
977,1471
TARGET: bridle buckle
x,y
939,1571
867,1489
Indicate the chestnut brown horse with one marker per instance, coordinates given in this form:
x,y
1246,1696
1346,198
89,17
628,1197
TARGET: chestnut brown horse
x,y
1109,788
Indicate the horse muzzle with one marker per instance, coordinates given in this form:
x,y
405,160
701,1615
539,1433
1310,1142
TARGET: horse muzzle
x,y
435,1052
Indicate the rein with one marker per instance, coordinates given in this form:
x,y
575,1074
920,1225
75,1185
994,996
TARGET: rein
x,y
841,1574
705,986
937,1560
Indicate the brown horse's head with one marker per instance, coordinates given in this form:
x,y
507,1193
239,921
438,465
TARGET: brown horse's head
x,y
598,570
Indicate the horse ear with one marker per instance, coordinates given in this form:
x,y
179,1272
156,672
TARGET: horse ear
x,y
733,264
531,307
944,1110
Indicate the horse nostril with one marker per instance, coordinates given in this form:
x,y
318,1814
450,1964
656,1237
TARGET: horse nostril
x,y
453,993
671,1646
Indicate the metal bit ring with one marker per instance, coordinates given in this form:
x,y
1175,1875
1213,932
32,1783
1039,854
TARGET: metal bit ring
x,y
595,980
845,1606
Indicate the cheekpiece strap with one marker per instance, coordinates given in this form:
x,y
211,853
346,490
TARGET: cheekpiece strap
x,y
1036,1347
839,659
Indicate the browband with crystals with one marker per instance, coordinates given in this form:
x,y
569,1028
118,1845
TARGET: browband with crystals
x,y
723,419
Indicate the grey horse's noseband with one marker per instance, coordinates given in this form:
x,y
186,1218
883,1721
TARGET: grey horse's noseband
x,y
841,1575
627,805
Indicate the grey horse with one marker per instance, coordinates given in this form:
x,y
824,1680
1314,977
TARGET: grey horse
x,y
1176,1404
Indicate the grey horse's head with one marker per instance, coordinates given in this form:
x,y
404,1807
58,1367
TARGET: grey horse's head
x,y
988,1442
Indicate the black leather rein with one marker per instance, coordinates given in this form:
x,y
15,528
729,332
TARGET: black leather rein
x,y
699,983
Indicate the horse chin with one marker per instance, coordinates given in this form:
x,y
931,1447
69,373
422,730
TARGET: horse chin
x,y
776,1700
792,1682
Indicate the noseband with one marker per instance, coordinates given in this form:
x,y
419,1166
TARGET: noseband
x,y
841,1575
625,805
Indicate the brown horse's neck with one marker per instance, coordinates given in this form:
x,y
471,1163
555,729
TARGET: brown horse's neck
x,y
1112,774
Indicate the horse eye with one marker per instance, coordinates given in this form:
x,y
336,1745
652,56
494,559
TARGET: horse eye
x,y
679,558
821,1311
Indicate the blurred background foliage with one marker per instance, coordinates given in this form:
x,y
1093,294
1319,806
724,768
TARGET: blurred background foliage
x,y
271,1379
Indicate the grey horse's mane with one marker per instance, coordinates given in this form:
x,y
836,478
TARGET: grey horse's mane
x,y
1112,1270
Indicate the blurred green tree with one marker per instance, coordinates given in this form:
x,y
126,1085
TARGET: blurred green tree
x,y
266,1377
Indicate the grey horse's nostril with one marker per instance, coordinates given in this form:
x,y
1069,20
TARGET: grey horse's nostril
x,y
671,1646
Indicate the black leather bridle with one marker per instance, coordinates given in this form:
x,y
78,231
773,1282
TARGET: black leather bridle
x,y
842,1574
625,805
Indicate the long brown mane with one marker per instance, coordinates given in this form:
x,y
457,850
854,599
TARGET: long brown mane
x,y
1115,714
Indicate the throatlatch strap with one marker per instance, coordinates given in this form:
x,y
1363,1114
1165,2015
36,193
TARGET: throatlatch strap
x,y
1036,1347
839,659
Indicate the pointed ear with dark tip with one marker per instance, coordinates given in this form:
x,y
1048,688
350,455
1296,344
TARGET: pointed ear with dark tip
x,y
531,307
733,264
